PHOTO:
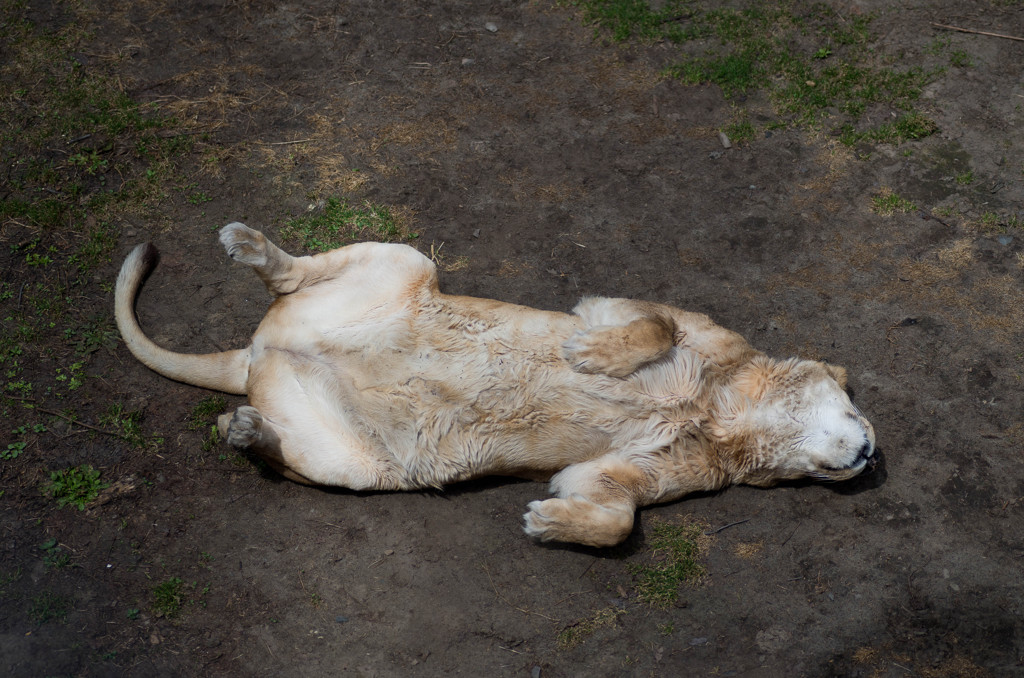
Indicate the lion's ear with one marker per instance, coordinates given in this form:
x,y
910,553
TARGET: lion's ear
x,y
838,373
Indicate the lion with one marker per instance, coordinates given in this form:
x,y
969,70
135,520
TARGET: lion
x,y
364,375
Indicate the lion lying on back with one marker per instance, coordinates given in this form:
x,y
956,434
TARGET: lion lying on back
x,y
364,375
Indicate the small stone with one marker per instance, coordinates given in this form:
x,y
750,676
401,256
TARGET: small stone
x,y
535,672
1005,239
341,619
724,138
468,62
698,641
491,26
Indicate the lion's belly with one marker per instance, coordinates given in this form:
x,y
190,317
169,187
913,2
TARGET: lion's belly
x,y
448,401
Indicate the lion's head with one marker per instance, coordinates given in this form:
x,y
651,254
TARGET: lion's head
x,y
792,419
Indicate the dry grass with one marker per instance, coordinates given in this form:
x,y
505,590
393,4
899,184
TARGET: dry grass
x,y
748,550
526,188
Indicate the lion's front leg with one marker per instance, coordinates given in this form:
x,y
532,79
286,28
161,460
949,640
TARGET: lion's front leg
x,y
595,506
621,337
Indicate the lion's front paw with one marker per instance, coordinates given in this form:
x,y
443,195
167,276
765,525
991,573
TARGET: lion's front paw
x,y
598,351
578,520
244,428
244,245
538,524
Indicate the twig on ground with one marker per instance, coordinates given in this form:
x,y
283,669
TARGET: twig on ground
x,y
971,30
65,417
738,522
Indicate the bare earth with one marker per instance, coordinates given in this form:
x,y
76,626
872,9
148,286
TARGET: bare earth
x,y
552,165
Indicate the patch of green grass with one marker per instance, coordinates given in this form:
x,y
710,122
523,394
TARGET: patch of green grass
x,y
77,486
206,409
128,426
94,334
740,131
674,563
965,178
48,606
335,222
816,65
577,632
888,203
960,59
168,597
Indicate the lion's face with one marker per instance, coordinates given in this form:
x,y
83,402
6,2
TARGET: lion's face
x,y
796,420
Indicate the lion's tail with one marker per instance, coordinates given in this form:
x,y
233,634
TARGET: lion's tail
x,y
227,371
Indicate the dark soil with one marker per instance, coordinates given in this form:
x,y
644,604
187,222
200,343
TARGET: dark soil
x,y
550,165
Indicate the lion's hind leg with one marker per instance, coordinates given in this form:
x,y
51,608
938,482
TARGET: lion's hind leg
x,y
281,272
246,429
596,503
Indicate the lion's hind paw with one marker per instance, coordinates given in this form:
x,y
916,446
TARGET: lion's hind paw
x,y
244,245
244,427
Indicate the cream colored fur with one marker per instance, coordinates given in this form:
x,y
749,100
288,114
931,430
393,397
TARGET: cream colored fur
x,y
364,375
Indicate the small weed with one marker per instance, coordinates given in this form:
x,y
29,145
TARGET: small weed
x,y
53,556
334,222
198,198
8,579
72,377
13,450
965,178
77,486
48,607
667,629
740,131
168,597
988,221
674,563
36,260
960,59
92,335
576,633
212,439
132,613
888,203
205,409
128,425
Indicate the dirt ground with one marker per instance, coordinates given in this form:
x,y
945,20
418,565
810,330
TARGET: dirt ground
x,y
551,165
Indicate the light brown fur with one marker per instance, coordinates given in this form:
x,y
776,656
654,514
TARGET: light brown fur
x,y
364,375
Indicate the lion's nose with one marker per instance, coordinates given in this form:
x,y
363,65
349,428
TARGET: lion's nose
x,y
867,453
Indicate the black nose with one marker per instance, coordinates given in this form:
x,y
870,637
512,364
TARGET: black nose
x,y
866,451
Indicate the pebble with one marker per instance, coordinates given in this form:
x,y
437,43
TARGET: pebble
x,y
698,641
1005,239
535,673
341,619
724,138
491,26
